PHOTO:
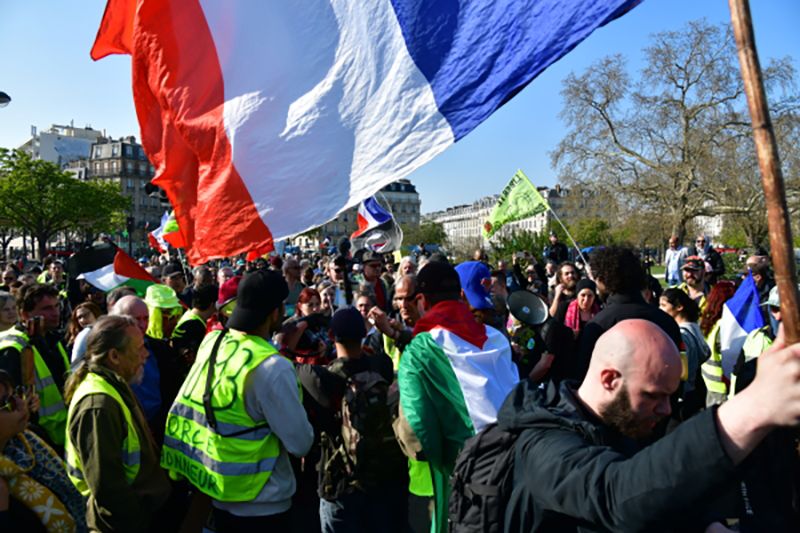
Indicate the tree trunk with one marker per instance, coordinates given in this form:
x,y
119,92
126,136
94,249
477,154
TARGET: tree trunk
x,y
42,242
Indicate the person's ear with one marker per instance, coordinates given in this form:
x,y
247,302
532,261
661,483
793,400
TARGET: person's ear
x,y
610,379
422,303
114,356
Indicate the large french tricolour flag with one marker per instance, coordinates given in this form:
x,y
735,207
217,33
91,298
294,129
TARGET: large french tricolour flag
x,y
266,118
740,315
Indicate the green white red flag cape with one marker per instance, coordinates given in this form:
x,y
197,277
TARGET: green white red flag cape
x,y
453,378
107,267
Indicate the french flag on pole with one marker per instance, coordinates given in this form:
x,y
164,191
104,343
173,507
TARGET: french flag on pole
x,y
156,237
265,119
740,315
370,216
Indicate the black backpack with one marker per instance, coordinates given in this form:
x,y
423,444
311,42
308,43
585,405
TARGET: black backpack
x,y
481,483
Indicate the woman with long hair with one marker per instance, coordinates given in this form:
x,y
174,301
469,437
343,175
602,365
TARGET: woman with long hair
x,y
685,311
81,320
715,301
713,376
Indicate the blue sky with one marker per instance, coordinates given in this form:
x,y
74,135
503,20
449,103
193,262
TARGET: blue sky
x,y
45,67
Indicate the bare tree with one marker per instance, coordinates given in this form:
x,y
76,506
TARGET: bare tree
x,y
676,141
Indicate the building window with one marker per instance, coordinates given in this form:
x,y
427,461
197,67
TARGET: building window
x,y
130,183
114,150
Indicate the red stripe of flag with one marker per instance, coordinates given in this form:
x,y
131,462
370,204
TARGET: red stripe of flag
x,y
183,134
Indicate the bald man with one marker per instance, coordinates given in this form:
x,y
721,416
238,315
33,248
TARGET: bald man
x,y
580,465
162,368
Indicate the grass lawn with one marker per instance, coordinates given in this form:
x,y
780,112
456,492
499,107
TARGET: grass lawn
x,y
658,272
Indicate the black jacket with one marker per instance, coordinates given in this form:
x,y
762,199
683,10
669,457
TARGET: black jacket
x,y
621,307
712,257
557,252
573,473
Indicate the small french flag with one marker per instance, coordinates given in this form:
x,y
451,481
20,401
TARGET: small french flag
x,y
370,216
740,316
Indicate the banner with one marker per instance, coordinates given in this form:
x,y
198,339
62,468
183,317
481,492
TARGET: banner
x,y
520,199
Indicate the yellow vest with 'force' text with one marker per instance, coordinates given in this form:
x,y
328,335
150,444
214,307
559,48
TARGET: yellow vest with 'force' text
x,y
235,461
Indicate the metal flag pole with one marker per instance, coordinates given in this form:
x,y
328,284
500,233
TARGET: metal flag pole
x,y
574,244
780,232
183,265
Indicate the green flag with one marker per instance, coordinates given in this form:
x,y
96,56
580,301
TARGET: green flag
x,y
519,200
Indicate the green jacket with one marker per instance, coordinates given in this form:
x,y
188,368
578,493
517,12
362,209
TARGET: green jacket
x,y
97,428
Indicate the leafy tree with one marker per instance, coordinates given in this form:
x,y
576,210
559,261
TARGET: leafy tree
x,y
40,199
734,236
591,232
427,232
504,246
677,140
7,234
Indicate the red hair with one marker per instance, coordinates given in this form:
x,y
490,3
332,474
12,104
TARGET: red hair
x,y
720,293
305,296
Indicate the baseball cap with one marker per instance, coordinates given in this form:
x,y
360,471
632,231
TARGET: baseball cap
x,y
774,299
348,324
259,293
694,263
437,277
476,279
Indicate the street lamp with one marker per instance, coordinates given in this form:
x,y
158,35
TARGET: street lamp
x,y
4,99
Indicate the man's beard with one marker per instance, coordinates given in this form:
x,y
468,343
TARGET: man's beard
x,y
138,377
620,416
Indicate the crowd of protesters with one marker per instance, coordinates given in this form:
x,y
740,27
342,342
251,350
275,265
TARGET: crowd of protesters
x,y
335,392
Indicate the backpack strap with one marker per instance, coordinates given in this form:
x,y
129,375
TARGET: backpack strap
x,y
207,407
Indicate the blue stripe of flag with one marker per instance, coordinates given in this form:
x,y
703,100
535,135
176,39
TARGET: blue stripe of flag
x,y
744,305
477,54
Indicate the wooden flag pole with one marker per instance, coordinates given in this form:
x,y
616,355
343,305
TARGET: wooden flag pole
x,y
780,233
